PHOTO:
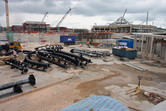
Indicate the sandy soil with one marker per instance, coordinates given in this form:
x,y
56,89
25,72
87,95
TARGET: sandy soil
x,y
100,78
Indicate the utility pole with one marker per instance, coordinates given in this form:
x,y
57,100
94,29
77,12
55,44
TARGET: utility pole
x,y
147,18
7,15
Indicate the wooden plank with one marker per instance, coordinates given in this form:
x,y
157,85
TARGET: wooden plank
x,y
5,57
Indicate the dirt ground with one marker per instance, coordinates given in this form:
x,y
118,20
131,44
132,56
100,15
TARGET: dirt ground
x,y
110,78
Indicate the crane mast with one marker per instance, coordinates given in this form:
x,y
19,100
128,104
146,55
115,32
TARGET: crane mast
x,y
147,18
7,15
63,18
124,13
44,16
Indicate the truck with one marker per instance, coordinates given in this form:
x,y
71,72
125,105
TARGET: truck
x,y
6,46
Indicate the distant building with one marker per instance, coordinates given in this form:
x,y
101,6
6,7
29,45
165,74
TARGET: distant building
x,y
121,25
81,31
35,26
17,28
161,30
61,29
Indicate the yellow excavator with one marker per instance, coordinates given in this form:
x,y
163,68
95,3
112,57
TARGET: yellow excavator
x,y
6,47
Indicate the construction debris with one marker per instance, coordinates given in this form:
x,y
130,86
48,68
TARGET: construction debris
x,y
153,97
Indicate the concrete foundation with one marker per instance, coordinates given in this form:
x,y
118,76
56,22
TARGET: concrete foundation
x,y
151,46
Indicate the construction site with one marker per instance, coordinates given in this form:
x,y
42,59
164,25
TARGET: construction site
x,y
116,67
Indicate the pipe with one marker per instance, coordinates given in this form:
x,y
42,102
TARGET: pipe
x,y
90,53
31,80
83,52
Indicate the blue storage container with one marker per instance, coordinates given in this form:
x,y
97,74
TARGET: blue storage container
x,y
67,39
131,54
122,53
127,43
116,51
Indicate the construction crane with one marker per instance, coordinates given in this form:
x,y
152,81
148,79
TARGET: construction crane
x,y
59,23
44,16
123,15
7,15
147,18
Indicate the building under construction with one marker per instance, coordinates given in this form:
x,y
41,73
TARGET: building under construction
x,y
17,28
121,25
35,26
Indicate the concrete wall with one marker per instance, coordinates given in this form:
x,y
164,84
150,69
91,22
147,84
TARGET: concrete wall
x,y
33,37
3,36
158,48
118,35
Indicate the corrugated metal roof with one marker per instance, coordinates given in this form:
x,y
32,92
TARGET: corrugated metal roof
x,y
97,103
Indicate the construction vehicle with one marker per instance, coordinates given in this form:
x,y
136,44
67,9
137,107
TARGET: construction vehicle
x,y
6,47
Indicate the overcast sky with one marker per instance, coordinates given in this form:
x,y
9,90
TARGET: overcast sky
x,y
85,13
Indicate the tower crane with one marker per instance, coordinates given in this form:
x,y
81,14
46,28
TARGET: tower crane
x,y
59,23
44,16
